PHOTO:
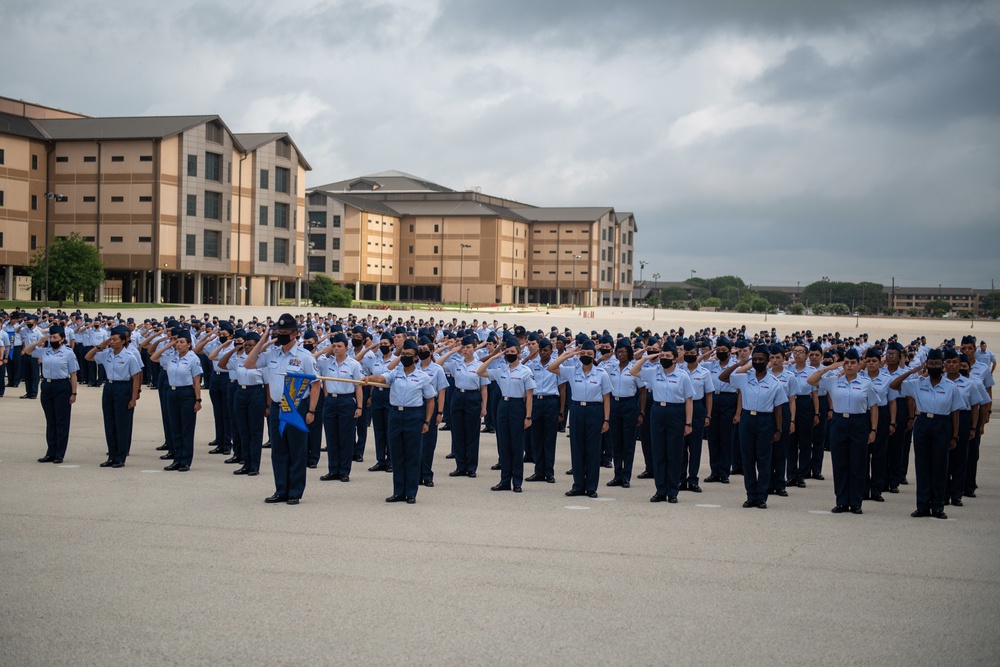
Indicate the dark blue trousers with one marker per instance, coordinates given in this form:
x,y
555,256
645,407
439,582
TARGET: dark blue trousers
x,y
799,463
667,444
218,391
972,464
544,421
691,462
449,395
585,422
117,419
404,443
14,366
510,439
645,436
465,428
288,453
849,457
316,433
83,376
958,458
234,431
363,422
756,432
341,429
875,471
380,424
249,419
428,446
623,423
29,373
57,409
819,436
183,418
720,434
931,440
894,452
492,394
164,389
779,450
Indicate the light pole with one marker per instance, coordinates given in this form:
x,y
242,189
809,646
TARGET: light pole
x,y
656,291
309,252
461,277
692,274
575,258
49,196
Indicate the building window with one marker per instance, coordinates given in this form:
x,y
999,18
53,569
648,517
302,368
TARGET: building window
x,y
281,216
436,227
192,205
602,275
189,245
1,156
1,199
213,132
282,148
90,158
192,165
411,250
117,158
34,239
34,202
117,239
318,241
145,239
117,200
317,218
61,158
34,162
229,172
603,254
282,178
146,199
336,221
228,245
88,239
335,266
145,158
1,233
410,270
262,251
316,264
213,167
262,217
435,270
212,243
281,251
213,205
229,210
263,179
435,247
336,243
604,235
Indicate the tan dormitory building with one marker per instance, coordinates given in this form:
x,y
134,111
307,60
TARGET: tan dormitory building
x,y
391,236
182,209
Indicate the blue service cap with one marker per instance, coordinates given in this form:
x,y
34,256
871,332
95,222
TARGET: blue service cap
x,y
533,337
623,343
935,355
469,340
722,341
253,335
544,342
852,354
336,338
410,344
425,340
761,349
587,344
872,353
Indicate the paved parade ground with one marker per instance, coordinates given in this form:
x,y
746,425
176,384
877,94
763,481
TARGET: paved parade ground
x,y
140,566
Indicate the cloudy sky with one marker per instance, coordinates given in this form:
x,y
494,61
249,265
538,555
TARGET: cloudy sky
x,y
778,140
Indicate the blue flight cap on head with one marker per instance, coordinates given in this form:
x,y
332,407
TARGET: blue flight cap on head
x,y
117,331
722,341
240,333
587,344
56,329
950,353
606,339
544,342
310,334
742,343
761,349
226,326
469,340
358,329
425,340
872,353
533,337
968,340
689,345
253,335
935,355
623,343
183,333
964,358
338,338
410,344
399,330
815,347
777,348
668,346
852,354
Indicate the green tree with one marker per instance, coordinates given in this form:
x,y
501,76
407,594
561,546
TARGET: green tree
x,y
829,292
713,302
888,312
673,293
743,307
796,308
994,314
759,304
838,309
937,306
780,299
694,304
74,268
914,312
324,292
715,285
729,295
653,300
873,296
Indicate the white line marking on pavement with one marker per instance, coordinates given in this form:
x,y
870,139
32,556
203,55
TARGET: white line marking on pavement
x,y
711,506
67,466
604,500
150,471
576,507
820,512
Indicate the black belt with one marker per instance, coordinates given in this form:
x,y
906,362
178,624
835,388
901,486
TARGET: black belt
x,y
55,380
664,404
584,404
467,390
402,408
754,413
519,399
251,386
931,415
187,386
544,396
717,392
623,398
850,415
351,395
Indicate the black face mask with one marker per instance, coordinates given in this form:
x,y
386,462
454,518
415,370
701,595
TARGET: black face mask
x,y
406,361
511,358
586,361
55,344
605,350
283,339
223,338
965,372
358,342
309,346
935,373
424,354
722,356
690,358
760,367
385,348
666,363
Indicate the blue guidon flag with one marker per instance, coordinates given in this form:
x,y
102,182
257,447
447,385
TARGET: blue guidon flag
x,y
296,385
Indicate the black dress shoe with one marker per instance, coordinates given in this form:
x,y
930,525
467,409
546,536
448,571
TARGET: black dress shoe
x,y
500,487
591,494
457,473
724,480
330,475
411,500
218,450
377,467
645,474
516,489
162,448
614,482
429,483
856,510
528,459
388,468
312,466
173,466
762,505
214,443
106,464
57,460
550,480
293,501
904,482
445,427
626,485
234,459
395,499
893,489
736,472
607,464
449,455
750,503
359,459
495,466
839,509
345,478
957,502
672,500
167,457
970,494
712,478
118,464
939,514
574,492
782,493
800,484
266,445
917,513
241,471
26,396
694,487
867,496
47,459
878,499
253,473
818,476
470,475
534,478
183,468
658,499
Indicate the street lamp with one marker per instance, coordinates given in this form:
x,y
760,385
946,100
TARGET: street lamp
x,y
309,252
575,258
49,196
461,278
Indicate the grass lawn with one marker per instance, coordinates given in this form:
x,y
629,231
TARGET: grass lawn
x,y
31,306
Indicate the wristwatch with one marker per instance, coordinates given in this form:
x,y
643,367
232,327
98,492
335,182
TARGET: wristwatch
x,y
197,400
312,412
